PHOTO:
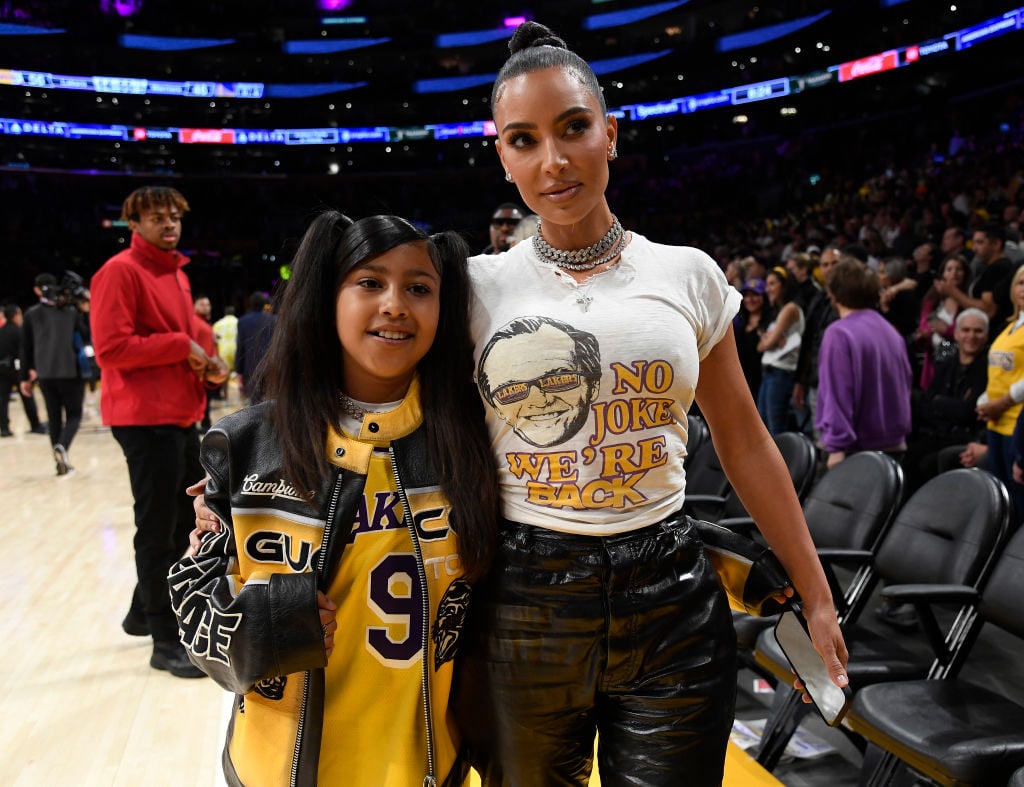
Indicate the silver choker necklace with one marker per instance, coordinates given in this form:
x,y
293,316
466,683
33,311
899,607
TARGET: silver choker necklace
x,y
351,408
608,248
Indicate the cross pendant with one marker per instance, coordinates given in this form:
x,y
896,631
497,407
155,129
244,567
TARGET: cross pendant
x,y
584,300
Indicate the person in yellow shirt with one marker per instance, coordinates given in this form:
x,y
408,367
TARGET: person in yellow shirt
x,y
1001,403
225,333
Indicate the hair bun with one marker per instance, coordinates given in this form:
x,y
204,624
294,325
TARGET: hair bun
x,y
531,34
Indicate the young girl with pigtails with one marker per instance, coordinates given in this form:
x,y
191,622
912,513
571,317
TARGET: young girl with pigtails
x,y
356,506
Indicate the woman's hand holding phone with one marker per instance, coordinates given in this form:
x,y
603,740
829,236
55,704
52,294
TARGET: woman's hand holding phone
x,y
824,685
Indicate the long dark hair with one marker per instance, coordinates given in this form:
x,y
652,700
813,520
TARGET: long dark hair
x,y
534,47
304,370
932,296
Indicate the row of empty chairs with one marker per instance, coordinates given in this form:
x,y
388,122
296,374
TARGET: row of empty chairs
x,y
947,551
953,730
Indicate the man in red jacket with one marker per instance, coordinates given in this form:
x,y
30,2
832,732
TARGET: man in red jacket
x,y
154,377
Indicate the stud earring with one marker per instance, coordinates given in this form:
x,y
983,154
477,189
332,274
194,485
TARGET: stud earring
x,y
508,176
612,153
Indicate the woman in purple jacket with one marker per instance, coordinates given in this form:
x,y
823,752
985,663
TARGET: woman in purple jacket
x,y
864,374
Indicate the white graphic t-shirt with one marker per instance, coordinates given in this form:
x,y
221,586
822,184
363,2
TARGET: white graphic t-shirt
x,y
586,386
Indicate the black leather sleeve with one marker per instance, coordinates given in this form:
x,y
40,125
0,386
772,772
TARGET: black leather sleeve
x,y
240,634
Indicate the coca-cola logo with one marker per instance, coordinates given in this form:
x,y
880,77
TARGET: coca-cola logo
x,y
868,65
215,136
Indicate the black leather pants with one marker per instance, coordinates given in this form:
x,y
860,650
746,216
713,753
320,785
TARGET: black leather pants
x,y
628,636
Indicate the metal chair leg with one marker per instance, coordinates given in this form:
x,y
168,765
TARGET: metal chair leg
x,y
787,711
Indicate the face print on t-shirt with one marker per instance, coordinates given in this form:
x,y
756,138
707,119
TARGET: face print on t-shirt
x,y
540,376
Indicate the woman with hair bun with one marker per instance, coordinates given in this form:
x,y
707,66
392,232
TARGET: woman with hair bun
x,y
602,613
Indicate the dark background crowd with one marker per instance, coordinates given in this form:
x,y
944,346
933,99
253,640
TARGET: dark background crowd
x,y
921,169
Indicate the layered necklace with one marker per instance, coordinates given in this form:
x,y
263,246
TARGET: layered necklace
x,y
351,408
605,250
359,410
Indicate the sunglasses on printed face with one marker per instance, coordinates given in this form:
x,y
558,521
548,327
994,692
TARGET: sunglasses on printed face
x,y
517,390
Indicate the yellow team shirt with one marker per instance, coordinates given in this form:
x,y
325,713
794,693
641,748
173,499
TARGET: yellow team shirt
x,y
225,333
1005,367
374,728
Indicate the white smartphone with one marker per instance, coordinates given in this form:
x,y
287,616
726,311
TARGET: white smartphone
x,y
830,700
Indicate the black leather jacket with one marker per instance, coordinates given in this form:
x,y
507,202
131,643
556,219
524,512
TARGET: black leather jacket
x,y
282,635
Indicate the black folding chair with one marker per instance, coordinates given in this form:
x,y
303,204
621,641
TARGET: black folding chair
x,y
952,730
847,513
946,534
